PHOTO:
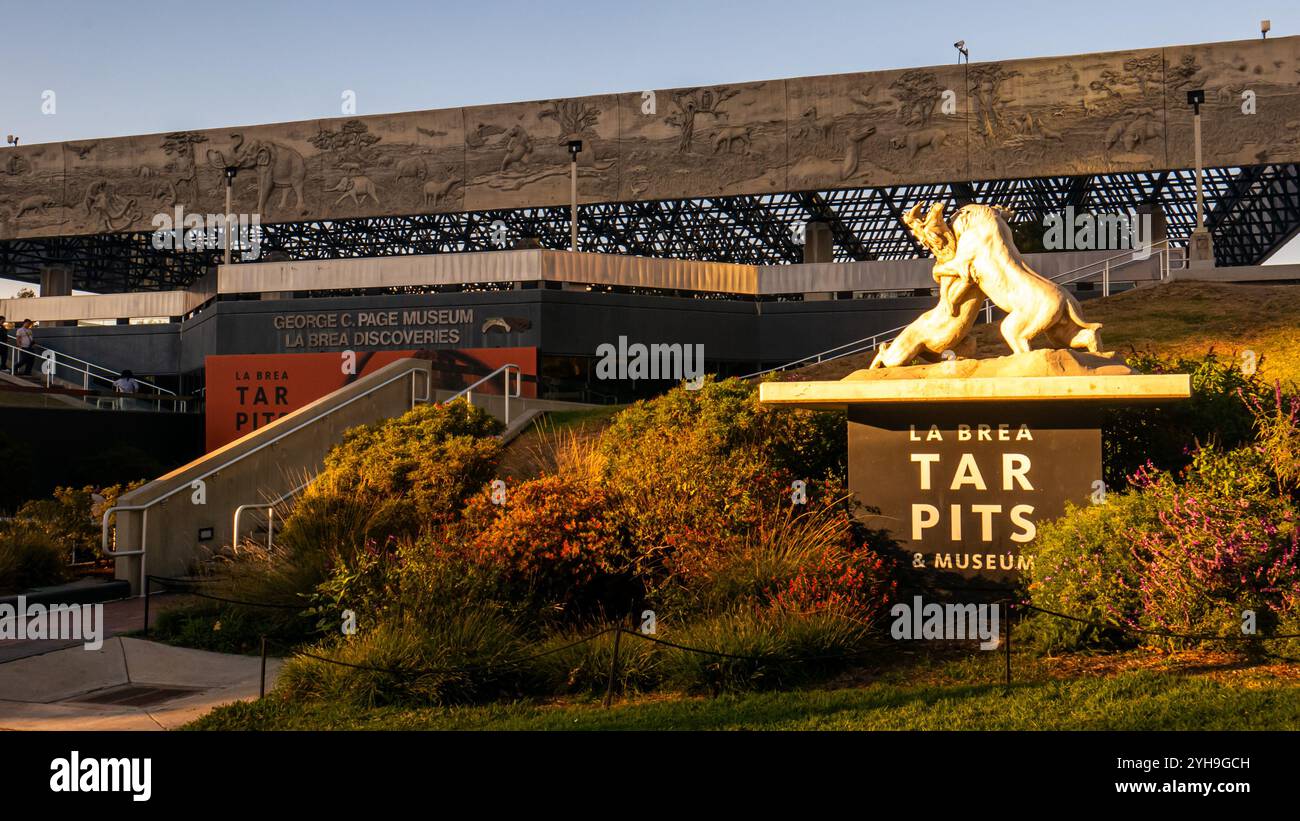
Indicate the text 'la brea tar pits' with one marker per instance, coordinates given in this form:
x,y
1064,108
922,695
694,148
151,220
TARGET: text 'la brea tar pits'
x,y
374,329
1012,473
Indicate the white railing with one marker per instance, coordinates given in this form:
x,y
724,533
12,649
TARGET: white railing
x,y
1105,267
86,369
145,507
468,392
270,515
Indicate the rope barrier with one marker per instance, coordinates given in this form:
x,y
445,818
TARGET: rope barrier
x,y
740,657
185,586
242,602
1161,633
430,671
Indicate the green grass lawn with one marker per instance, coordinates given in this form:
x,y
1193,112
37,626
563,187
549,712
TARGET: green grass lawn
x,y
954,695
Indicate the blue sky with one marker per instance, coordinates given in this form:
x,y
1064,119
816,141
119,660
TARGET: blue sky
x,y
127,67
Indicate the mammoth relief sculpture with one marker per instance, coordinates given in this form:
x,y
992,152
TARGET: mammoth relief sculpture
x,y
976,257
276,166
357,187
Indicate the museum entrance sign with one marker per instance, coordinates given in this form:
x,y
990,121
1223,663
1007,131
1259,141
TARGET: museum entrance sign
x,y
961,471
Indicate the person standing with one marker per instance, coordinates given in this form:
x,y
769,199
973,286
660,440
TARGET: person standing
x,y
26,339
126,383
4,344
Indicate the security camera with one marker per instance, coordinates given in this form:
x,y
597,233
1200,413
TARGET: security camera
x,y
960,44
11,139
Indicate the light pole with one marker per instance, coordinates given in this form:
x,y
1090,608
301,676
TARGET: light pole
x,y
962,51
1201,246
231,171
575,148
1195,99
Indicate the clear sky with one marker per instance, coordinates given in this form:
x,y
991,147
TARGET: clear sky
x,y
126,67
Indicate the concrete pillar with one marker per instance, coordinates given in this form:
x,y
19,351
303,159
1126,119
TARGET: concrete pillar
x,y
819,245
1159,226
56,281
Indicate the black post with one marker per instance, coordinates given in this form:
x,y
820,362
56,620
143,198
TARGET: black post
x,y
613,667
261,687
1007,611
147,585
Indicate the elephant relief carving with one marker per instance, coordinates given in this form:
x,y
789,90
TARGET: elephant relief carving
x,y
357,187
413,167
276,167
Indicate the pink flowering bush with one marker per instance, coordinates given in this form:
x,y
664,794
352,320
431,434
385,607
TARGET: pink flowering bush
x,y
1196,554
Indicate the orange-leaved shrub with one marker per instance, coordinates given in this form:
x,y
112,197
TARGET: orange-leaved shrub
x,y
553,539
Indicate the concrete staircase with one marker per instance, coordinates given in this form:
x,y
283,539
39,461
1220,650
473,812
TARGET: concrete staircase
x,y
162,527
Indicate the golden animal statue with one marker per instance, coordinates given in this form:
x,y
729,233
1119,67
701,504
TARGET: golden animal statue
x,y
976,257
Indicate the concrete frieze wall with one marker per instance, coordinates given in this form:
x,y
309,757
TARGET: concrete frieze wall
x,y
1084,114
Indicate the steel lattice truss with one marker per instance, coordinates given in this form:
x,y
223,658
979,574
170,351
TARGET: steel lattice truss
x,y
1251,212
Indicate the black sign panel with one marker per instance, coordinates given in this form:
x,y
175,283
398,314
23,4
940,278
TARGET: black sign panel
x,y
962,487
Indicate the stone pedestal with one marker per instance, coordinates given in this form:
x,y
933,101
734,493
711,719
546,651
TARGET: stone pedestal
x,y
1200,249
961,468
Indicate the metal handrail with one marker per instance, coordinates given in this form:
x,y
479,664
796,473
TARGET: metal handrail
x,y
519,388
144,519
58,356
872,342
270,517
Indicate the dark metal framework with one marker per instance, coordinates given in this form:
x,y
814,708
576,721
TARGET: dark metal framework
x,y
1251,212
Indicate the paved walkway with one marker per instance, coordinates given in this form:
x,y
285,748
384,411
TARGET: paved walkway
x,y
128,684
122,616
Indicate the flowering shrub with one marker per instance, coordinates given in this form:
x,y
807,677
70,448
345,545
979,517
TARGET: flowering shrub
x,y
793,559
553,539
1186,554
1213,556
857,583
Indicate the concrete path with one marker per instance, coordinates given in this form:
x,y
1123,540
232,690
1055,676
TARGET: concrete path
x,y
128,684
121,616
